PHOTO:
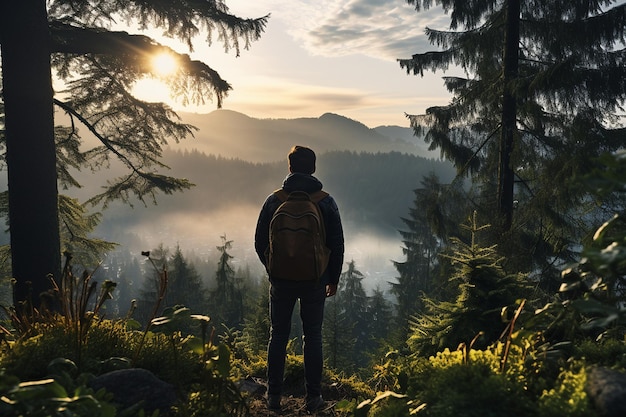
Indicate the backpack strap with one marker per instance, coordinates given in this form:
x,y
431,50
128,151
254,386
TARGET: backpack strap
x,y
281,194
316,197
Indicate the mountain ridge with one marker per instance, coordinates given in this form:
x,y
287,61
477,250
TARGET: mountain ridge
x,y
236,135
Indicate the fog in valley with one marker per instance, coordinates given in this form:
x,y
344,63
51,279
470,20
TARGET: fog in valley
x,y
198,235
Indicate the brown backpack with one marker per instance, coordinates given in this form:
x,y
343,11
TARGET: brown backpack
x,y
297,238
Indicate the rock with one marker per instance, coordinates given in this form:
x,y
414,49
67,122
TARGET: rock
x,y
607,390
131,386
252,386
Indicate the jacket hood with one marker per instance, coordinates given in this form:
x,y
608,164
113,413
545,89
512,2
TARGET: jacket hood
x,y
301,182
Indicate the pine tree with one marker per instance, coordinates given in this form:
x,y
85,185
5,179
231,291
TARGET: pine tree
x,y
429,223
337,339
543,89
353,300
473,316
150,292
226,300
380,316
185,285
98,68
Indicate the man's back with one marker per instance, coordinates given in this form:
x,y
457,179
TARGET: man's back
x,y
309,287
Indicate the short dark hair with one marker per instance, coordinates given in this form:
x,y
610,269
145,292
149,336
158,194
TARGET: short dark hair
x,y
301,159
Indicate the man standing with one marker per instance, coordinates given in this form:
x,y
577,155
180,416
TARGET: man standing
x,y
285,291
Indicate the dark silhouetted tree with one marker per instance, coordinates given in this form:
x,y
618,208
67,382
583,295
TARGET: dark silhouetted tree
x,y
381,319
226,300
351,297
184,286
540,98
150,292
428,225
128,280
337,339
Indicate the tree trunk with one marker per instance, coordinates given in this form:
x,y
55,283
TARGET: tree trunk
x,y
30,153
509,115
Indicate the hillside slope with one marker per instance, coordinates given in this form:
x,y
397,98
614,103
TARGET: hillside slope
x,y
235,135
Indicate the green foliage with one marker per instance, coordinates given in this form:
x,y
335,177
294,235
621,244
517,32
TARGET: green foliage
x,y
607,352
178,347
76,225
28,358
76,331
475,315
48,398
592,291
211,391
568,397
470,383
338,335
473,390
256,328
184,284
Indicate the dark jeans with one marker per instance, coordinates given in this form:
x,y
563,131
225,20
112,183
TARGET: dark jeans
x,y
282,302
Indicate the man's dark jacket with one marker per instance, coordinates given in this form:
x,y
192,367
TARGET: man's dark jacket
x,y
332,222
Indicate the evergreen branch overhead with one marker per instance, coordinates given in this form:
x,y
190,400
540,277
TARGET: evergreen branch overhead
x,y
137,51
179,19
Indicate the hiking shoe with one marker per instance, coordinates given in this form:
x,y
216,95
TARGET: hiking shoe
x,y
273,401
314,404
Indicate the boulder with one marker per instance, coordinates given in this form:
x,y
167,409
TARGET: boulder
x,y
135,385
606,389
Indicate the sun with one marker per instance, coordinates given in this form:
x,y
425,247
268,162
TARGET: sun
x,y
164,64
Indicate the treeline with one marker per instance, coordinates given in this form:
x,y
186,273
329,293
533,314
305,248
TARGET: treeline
x,y
372,190
357,322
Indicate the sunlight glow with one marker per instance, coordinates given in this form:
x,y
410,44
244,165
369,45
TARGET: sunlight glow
x,y
151,90
164,64
154,90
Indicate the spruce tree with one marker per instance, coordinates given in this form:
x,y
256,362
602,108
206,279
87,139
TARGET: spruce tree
x,y
184,286
542,89
151,291
337,339
429,224
226,300
380,316
353,300
473,316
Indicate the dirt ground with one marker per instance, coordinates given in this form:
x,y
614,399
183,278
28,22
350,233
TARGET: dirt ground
x,y
291,407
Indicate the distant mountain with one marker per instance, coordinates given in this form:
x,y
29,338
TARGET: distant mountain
x,y
405,134
234,135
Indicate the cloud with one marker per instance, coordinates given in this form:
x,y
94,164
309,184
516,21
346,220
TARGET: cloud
x,y
387,29
292,99
382,29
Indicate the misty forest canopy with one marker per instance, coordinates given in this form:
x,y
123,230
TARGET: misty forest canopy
x,y
539,98
97,67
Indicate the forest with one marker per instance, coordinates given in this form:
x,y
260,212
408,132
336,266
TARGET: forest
x,y
508,299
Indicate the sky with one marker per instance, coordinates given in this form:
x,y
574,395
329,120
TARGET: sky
x,y
319,56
